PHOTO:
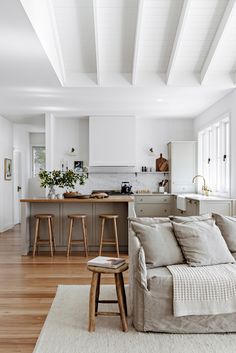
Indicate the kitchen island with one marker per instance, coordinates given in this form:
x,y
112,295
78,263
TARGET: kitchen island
x,y
123,205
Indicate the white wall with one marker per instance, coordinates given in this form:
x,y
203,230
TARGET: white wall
x,y
157,133
70,133
223,106
150,132
6,187
37,138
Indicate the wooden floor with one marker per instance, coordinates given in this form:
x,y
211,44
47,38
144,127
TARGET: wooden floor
x,y
27,289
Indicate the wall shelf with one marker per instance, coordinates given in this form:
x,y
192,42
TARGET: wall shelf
x,y
167,172
123,172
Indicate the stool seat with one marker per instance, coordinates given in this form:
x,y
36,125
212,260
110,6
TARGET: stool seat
x,y
79,216
95,292
109,216
44,215
37,241
72,219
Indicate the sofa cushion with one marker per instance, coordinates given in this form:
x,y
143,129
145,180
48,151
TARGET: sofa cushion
x,y
202,243
178,219
227,227
149,220
159,244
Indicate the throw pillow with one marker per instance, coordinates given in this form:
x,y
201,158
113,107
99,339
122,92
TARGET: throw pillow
x,y
149,220
227,227
202,243
159,244
179,219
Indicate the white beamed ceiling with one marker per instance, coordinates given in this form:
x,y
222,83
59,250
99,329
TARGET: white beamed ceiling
x,y
140,42
156,58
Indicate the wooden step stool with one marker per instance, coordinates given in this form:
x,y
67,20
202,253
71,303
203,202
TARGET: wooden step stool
x,y
95,291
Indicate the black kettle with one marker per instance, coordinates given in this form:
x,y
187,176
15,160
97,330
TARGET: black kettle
x,y
126,187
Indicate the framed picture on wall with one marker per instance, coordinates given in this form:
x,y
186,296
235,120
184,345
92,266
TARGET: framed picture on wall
x,y
78,166
7,169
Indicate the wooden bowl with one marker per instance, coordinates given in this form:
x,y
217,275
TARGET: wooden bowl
x,y
70,195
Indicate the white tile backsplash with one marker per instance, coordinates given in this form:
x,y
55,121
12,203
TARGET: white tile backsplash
x,y
113,182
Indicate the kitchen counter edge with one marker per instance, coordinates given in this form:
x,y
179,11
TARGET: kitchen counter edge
x,y
75,200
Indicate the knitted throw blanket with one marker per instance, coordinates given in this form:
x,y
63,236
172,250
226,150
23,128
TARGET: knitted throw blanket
x,y
206,290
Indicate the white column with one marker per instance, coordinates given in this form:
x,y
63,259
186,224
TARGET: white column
x,y
49,134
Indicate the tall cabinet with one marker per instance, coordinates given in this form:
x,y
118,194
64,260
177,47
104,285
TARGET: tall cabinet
x,y
182,166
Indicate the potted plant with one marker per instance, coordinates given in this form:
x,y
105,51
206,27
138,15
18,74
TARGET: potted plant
x,y
67,179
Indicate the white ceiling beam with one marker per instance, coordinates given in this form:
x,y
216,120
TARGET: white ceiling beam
x,y
137,40
217,39
42,17
51,11
178,39
95,18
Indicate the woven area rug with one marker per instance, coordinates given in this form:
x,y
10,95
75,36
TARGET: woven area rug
x,y
65,331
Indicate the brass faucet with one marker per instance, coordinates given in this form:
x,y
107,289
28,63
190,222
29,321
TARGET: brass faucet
x,y
205,189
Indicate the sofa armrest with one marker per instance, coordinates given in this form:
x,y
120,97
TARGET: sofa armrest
x,y
137,267
137,264
141,269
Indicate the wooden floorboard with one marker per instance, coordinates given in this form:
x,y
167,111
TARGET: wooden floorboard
x,y
28,286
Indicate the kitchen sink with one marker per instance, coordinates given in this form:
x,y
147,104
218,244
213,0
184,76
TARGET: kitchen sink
x,y
199,197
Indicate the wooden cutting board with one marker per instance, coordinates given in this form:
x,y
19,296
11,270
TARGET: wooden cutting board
x,y
161,164
99,195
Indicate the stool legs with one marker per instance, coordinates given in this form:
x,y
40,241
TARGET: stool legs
x,y
92,303
53,239
37,240
85,234
123,292
116,242
70,236
97,293
116,237
102,235
36,236
121,302
50,236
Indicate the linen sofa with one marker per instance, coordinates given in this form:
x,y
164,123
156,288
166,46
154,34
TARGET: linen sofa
x,y
151,296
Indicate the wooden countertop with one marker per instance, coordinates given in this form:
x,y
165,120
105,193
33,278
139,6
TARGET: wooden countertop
x,y
122,198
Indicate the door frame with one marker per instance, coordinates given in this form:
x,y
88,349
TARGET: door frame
x,y
16,195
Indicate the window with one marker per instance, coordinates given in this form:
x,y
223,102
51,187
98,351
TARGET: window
x,y
214,156
38,159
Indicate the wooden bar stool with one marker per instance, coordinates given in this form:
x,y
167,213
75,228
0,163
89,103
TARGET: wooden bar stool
x,y
115,242
37,241
82,218
95,291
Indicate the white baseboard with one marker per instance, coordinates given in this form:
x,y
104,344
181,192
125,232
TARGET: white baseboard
x,y
5,228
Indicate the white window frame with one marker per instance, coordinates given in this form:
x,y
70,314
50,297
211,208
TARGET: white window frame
x,y
32,156
212,146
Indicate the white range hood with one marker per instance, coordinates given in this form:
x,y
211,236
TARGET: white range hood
x,y
112,142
